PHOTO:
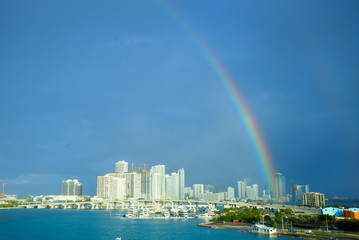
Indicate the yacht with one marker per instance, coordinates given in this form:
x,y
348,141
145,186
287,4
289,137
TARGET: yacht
x,y
144,213
166,214
183,212
132,212
263,229
208,213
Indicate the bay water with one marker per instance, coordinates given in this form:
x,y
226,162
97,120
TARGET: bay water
x,y
56,224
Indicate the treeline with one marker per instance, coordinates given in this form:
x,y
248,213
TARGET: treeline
x,y
247,214
287,217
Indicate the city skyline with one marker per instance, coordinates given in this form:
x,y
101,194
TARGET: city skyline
x,y
156,184
227,90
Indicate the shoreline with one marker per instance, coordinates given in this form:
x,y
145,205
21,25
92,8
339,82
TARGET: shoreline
x,y
246,227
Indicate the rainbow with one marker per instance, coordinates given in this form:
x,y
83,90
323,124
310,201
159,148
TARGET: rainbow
x,y
242,111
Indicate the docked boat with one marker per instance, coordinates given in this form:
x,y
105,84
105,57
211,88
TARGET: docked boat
x,y
144,214
166,214
183,212
263,229
208,213
132,212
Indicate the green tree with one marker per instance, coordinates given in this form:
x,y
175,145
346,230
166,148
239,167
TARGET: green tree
x,y
288,211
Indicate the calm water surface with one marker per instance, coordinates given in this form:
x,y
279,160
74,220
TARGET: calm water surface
x,y
57,224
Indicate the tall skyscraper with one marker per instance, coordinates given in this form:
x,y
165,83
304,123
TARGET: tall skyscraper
x,y
156,186
71,187
279,188
172,186
230,194
249,192
297,191
111,186
121,167
158,181
241,190
133,184
181,182
198,189
145,184
255,192
247,182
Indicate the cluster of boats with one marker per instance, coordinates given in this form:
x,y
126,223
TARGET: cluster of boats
x,y
177,212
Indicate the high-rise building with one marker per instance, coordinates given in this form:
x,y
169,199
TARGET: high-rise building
x,y
156,186
249,192
172,186
230,194
111,186
145,184
255,194
209,188
314,199
133,184
241,190
71,187
158,181
121,167
197,190
247,182
181,183
279,188
188,193
297,191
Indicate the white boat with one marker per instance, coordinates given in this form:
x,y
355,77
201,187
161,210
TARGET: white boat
x,y
263,229
208,213
183,212
144,213
132,212
166,214
174,212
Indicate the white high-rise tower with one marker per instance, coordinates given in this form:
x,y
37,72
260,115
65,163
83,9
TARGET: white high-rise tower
x,y
121,167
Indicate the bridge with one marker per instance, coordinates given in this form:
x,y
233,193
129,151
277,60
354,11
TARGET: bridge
x,y
159,205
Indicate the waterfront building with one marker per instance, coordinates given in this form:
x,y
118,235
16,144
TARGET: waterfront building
x,y
71,187
241,190
249,192
158,182
230,194
188,193
313,199
121,167
181,184
172,186
145,184
156,186
279,188
133,184
111,186
197,190
255,193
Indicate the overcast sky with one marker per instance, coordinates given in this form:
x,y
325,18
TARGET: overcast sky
x,y
84,84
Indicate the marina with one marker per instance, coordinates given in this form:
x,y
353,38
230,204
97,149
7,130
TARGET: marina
x,y
43,224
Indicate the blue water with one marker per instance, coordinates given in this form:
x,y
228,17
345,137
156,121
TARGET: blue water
x,y
53,224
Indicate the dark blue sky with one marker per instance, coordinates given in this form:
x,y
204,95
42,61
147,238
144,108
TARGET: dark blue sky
x,y
84,84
